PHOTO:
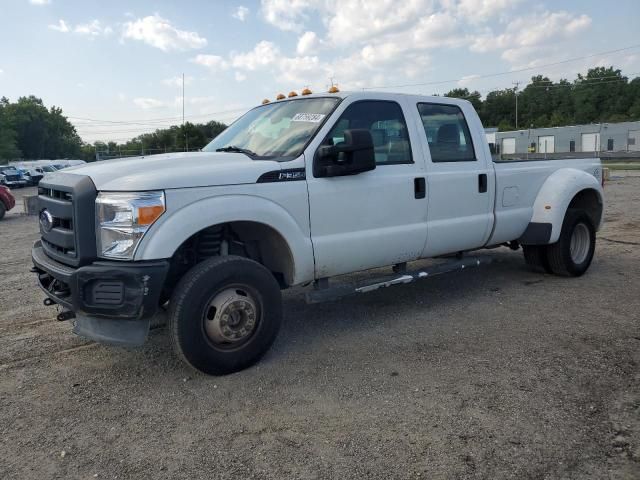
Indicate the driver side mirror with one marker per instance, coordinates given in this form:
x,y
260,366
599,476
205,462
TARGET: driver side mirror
x,y
354,155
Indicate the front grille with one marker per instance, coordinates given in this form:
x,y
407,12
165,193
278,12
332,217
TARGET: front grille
x,y
70,200
12,178
61,237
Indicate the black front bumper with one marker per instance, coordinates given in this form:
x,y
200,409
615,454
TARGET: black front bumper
x,y
103,292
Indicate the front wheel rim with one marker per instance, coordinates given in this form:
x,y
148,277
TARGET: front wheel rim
x,y
231,317
580,243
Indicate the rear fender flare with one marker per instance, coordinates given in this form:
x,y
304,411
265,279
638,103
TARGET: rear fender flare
x,y
554,198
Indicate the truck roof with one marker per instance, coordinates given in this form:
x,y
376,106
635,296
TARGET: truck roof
x,y
367,94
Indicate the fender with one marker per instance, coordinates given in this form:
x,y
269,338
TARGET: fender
x,y
552,201
165,236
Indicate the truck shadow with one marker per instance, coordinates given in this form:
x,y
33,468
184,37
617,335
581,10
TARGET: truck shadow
x,y
418,307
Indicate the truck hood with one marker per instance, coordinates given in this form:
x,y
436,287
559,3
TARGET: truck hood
x,y
172,170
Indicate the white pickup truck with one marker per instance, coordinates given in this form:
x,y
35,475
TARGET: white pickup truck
x,y
295,192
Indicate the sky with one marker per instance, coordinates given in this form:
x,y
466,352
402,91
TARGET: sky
x,y
115,67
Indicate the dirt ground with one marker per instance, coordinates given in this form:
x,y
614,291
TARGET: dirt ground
x,y
493,373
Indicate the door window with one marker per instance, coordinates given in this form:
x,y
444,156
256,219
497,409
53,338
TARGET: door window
x,y
447,133
386,123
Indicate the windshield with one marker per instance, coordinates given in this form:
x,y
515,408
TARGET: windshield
x,y
48,168
275,130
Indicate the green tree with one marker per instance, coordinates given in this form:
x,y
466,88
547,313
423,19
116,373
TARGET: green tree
x,y
38,132
474,97
8,145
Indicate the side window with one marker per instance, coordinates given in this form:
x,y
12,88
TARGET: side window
x,y
386,123
447,133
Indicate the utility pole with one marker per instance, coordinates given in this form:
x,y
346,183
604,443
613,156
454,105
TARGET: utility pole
x,y
185,132
517,84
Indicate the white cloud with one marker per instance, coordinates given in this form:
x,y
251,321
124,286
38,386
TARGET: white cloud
x,y
39,2
288,15
466,80
1,71
92,29
480,10
212,62
308,43
177,81
148,103
240,77
528,40
240,13
369,42
264,53
160,33
364,19
60,27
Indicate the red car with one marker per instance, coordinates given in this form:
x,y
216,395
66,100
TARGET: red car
x,y
7,202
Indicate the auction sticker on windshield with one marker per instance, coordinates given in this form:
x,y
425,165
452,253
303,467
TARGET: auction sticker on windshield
x,y
308,117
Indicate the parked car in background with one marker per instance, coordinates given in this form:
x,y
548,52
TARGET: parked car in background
x,y
7,202
48,169
11,177
31,175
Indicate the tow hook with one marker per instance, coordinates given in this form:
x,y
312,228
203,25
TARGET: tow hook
x,y
66,315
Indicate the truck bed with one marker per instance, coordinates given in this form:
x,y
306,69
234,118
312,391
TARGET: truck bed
x,y
517,185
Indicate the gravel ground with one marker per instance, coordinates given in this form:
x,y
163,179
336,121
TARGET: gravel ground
x,y
493,373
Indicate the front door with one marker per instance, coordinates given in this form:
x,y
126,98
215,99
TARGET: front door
x,y
371,219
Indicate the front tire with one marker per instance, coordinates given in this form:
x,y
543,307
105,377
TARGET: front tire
x,y
224,314
3,210
572,254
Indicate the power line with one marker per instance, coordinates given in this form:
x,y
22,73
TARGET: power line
x,y
510,72
154,124
151,120
538,67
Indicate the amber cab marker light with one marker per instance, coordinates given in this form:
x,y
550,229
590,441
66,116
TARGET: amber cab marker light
x,y
333,89
292,94
306,91
280,97
265,101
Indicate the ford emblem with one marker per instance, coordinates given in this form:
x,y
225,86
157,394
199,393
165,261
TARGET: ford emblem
x,y
46,220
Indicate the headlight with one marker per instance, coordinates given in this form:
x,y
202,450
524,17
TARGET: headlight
x,y
123,219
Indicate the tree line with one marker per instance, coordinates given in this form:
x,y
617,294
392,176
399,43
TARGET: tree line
x,y
177,138
29,130
602,95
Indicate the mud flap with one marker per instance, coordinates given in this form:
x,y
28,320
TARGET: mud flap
x,y
124,333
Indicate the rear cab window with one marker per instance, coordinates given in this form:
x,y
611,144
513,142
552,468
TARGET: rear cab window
x,y
447,133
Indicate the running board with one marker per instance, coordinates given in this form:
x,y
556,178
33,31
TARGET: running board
x,y
339,291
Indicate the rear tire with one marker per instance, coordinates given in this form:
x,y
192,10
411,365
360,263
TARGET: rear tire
x,y
536,257
572,254
3,210
224,314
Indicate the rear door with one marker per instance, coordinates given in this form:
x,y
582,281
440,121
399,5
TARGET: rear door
x,y
460,178
374,218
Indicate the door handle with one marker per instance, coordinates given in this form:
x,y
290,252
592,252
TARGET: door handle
x,y
482,183
419,187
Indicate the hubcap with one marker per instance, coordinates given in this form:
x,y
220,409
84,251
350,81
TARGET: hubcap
x,y
580,243
231,316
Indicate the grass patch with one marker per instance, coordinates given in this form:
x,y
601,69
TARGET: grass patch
x,y
622,166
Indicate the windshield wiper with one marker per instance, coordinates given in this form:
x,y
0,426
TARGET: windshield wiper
x,y
233,148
